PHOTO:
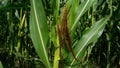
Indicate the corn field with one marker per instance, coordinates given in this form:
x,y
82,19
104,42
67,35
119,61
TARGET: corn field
x,y
59,33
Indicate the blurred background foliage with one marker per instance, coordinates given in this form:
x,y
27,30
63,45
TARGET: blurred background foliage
x,y
16,48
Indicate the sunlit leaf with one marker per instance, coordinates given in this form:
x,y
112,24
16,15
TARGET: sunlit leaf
x,y
1,65
79,11
90,35
39,30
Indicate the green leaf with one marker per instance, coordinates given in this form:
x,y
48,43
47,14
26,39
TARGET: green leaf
x,y
82,8
72,11
1,65
39,30
56,10
90,36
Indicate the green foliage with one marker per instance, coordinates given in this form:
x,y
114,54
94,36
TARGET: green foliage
x,y
38,30
1,65
90,36
29,37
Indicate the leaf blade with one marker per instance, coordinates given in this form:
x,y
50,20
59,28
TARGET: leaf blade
x,y
90,36
1,65
82,8
39,31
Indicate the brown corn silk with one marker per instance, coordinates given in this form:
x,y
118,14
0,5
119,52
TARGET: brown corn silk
x,y
63,32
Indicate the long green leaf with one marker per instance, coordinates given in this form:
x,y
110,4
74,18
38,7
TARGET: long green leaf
x,y
90,35
82,8
39,30
1,65
75,4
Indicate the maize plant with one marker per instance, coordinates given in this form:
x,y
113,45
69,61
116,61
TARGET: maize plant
x,y
59,34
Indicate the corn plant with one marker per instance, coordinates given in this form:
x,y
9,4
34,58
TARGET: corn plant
x,y
40,33
59,33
